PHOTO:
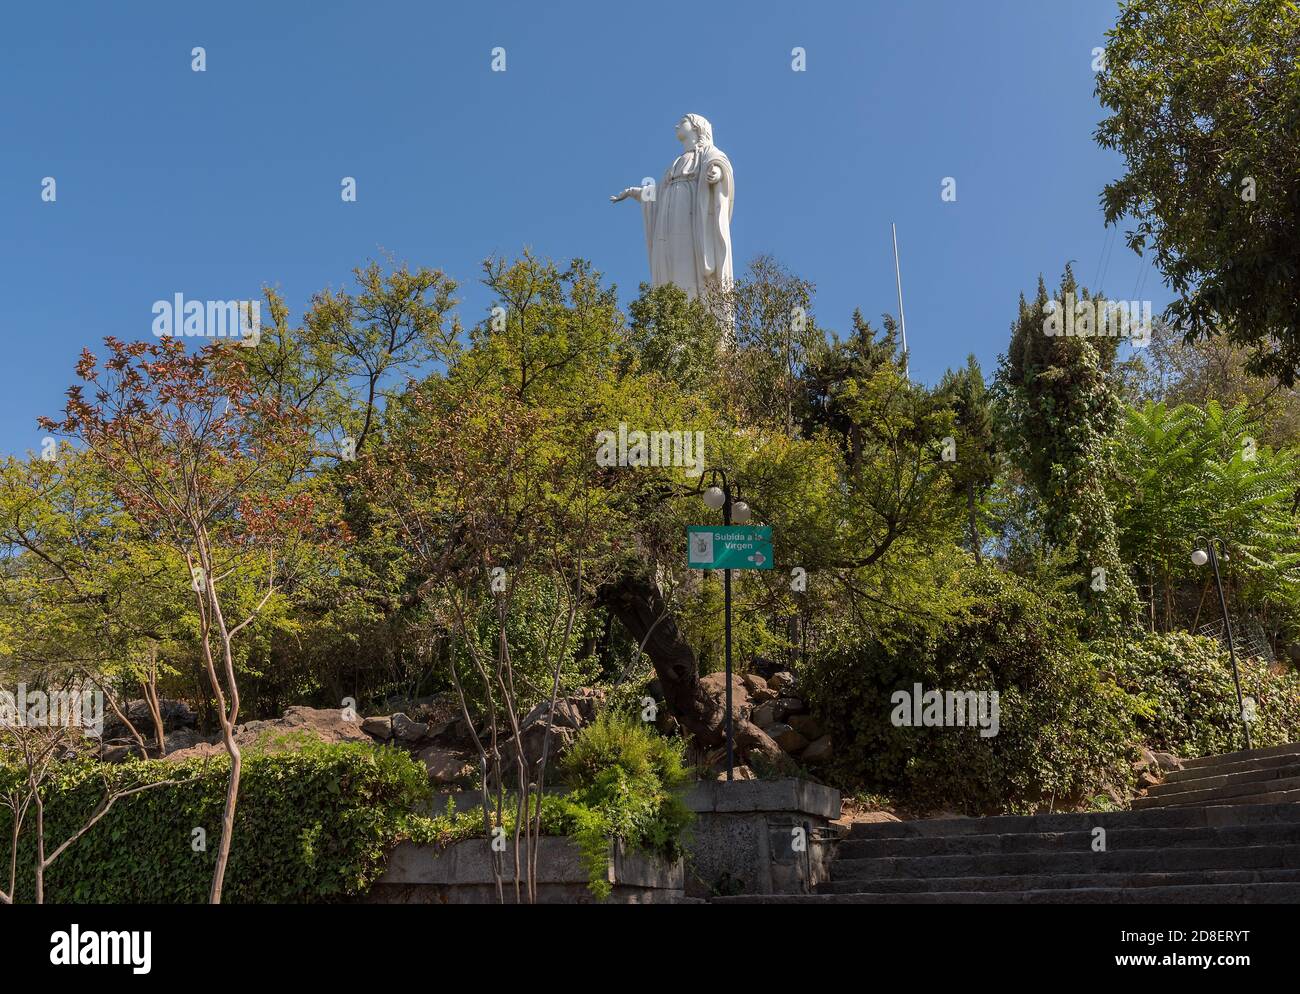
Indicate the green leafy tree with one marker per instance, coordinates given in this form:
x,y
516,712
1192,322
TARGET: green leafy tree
x,y
975,465
196,457
1188,471
86,593
1204,103
1060,412
678,338
1175,371
773,338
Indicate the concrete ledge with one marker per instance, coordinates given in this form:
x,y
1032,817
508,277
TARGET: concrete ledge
x,y
789,795
462,874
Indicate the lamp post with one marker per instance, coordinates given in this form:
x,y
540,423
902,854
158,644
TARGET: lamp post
x,y
736,512
1206,552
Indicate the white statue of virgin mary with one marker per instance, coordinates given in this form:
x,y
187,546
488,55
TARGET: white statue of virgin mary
x,y
688,215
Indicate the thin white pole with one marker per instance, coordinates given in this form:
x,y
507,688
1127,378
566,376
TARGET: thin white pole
x,y
898,278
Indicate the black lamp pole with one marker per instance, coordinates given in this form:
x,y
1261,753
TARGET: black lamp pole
x,y
1210,544
726,611
727,497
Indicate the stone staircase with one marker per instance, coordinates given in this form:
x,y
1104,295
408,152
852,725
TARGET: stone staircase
x,y
1260,776
1219,831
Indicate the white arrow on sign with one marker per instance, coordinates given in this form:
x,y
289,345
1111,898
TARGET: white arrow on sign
x,y
758,558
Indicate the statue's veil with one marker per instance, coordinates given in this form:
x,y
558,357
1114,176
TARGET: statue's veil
x,y
702,128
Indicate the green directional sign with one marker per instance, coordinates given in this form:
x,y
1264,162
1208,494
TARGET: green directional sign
x,y
729,547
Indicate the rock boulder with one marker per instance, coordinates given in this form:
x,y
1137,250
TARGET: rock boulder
x,y
279,734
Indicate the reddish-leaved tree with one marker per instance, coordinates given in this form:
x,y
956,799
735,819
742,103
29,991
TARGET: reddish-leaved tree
x,y
203,462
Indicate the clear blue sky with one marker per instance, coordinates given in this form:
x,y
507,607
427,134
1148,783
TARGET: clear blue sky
x,y
212,184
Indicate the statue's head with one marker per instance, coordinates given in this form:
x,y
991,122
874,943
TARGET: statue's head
x,y
695,130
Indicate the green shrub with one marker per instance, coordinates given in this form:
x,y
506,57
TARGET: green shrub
x,y
452,826
1185,700
618,742
1064,732
311,825
625,783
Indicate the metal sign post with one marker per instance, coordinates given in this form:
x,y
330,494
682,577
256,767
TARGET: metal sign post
x,y
727,548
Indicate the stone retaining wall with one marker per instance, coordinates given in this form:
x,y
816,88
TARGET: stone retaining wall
x,y
462,874
760,836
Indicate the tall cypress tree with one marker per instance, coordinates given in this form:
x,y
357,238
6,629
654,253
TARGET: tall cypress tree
x,y
1061,411
975,468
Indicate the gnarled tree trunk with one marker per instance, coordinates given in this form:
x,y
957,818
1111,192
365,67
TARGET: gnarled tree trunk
x,y
639,605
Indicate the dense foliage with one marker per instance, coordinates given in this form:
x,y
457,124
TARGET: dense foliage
x,y
1186,703
1204,102
316,825
1189,472
625,785
1060,412
1064,730
623,789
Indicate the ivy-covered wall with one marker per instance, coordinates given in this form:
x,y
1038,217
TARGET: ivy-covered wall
x,y
314,824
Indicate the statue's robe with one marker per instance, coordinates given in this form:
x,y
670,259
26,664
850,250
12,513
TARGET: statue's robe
x,y
688,223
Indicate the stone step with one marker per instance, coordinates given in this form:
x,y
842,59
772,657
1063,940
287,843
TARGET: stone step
x,y
1281,833
1130,861
1201,762
1261,893
1170,817
1259,763
1200,799
1232,784
1223,830
1067,881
